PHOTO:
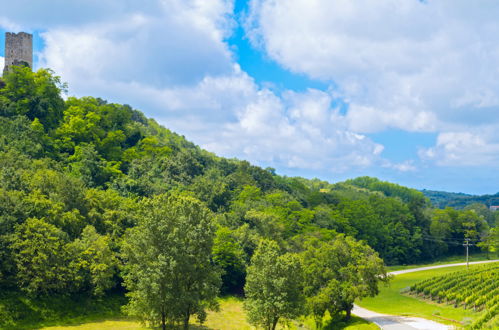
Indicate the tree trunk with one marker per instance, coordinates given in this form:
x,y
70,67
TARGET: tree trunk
x,y
186,320
318,323
163,321
274,324
349,313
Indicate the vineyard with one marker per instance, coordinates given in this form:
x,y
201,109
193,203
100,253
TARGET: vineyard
x,y
476,289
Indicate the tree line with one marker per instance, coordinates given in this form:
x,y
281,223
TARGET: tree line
x,y
97,197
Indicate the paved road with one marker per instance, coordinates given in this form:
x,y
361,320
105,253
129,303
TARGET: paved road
x,y
391,322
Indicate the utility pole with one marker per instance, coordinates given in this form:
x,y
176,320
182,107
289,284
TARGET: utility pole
x,y
467,245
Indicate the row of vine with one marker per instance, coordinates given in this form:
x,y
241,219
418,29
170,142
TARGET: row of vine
x,y
476,289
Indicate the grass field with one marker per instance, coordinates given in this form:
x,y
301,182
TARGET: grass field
x,y
391,300
231,316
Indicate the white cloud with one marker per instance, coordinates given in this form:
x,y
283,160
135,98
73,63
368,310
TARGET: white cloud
x,y
2,62
405,166
299,130
169,58
7,24
462,149
410,65
178,44
419,66
233,117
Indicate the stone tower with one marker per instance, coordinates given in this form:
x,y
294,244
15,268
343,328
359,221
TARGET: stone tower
x,y
18,50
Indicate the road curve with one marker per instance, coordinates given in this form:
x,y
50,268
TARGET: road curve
x,y
392,322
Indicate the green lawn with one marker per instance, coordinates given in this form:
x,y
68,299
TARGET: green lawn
x,y
230,316
104,325
106,315
391,300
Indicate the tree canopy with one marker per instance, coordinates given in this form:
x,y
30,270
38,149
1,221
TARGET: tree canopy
x,y
168,270
93,193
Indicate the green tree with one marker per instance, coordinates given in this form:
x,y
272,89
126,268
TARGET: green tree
x,y
229,256
33,94
490,241
87,164
42,258
95,262
273,286
168,269
337,272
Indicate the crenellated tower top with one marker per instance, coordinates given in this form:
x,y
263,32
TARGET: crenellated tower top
x,y
18,50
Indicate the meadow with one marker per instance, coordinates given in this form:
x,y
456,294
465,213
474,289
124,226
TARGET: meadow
x,y
230,316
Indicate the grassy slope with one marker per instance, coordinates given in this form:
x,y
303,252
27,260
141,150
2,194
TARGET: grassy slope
x,y
392,301
230,316
20,312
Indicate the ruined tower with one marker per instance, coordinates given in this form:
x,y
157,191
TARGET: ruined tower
x,y
18,49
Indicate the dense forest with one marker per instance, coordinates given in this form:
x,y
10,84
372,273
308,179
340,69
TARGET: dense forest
x,y
96,197
442,199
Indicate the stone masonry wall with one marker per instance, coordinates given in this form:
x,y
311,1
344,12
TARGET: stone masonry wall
x,y
18,49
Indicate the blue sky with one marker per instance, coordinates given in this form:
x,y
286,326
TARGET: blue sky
x,y
406,91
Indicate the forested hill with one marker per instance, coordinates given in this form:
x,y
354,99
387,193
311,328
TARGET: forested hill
x,y
442,199
77,175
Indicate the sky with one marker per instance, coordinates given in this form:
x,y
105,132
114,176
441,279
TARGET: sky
x,y
403,90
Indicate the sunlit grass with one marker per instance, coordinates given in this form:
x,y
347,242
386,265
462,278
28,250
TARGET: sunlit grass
x,y
230,316
104,325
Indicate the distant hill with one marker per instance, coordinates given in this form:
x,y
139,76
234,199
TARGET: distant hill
x,y
442,199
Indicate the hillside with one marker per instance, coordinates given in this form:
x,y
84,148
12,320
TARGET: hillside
x,y
84,185
442,199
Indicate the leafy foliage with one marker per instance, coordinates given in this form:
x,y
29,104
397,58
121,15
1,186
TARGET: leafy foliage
x,y
337,272
76,174
168,271
442,199
273,286
42,258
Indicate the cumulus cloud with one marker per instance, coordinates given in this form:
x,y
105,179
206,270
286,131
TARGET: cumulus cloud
x,y
420,66
180,43
405,166
462,149
170,59
2,62
298,130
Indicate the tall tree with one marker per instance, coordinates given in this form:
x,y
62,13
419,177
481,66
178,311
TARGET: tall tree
x,y
337,272
42,258
273,286
168,269
34,94
94,262
229,255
